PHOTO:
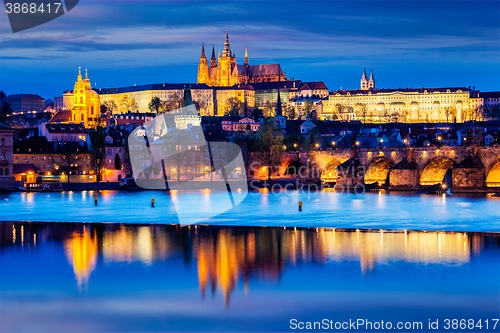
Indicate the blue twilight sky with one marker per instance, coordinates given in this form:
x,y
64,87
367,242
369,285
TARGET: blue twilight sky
x,y
406,43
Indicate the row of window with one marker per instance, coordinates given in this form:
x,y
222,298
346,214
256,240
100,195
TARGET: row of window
x,y
6,172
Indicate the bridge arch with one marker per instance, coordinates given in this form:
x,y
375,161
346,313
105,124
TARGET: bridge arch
x,y
493,176
378,170
329,172
435,171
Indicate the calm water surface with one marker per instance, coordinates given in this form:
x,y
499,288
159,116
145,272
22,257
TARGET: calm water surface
x,y
321,209
62,277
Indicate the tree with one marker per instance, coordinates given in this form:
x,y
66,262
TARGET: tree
x,y
111,106
68,157
290,112
308,104
201,107
103,109
234,107
98,151
2,94
128,104
270,146
256,113
363,112
174,103
118,162
154,105
268,110
338,112
5,110
247,144
450,112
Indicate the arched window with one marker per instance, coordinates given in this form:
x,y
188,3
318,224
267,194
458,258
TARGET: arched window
x,y
1,172
2,143
74,117
81,117
92,109
81,100
2,157
6,171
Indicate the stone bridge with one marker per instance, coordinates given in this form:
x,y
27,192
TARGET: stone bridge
x,y
465,168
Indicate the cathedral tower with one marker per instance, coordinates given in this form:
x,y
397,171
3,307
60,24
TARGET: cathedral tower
x,y
371,82
203,67
213,60
246,57
364,81
86,103
226,64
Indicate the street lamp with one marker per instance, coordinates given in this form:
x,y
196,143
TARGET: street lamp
x,y
380,143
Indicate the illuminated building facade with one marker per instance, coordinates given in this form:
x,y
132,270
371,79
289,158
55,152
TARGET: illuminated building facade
x,y
407,105
244,93
142,96
224,71
86,108
24,102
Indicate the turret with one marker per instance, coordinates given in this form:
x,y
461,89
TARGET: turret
x,y
213,60
203,67
227,50
371,82
246,56
364,81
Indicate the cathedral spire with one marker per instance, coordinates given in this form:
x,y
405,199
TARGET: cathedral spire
x,y
79,74
86,76
371,76
246,56
203,50
364,74
227,51
213,60
279,112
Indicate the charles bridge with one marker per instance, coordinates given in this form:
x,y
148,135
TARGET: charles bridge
x,y
464,168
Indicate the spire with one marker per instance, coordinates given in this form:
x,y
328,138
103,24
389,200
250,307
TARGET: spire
x,y
79,74
371,76
213,61
246,56
227,51
279,112
86,76
203,50
364,75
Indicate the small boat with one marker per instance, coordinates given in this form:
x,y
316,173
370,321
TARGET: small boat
x,y
42,187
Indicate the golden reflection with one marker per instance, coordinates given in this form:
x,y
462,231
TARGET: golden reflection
x,y
225,256
81,251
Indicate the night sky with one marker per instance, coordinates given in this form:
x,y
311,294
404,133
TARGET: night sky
x,y
406,43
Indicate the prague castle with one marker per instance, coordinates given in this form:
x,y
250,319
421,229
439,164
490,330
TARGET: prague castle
x,y
407,105
224,72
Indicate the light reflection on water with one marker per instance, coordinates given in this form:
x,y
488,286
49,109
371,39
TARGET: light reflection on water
x,y
109,277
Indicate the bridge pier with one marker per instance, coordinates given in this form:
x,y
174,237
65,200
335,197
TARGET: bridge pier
x,y
469,176
404,176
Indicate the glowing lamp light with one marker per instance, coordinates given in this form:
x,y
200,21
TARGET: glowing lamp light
x,y
334,143
444,185
295,145
357,143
